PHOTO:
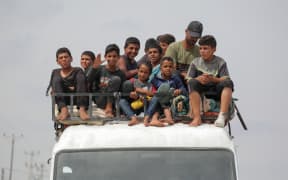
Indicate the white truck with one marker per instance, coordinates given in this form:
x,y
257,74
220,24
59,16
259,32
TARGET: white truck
x,y
118,152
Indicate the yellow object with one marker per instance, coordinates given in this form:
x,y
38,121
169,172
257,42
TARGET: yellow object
x,y
137,104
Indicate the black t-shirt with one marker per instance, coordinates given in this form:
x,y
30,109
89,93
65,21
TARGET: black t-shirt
x,y
102,74
69,83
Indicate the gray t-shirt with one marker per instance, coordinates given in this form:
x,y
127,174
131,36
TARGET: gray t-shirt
x,y
144,85
216,67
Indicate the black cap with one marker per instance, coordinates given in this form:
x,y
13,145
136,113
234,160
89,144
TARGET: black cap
x,y
195,29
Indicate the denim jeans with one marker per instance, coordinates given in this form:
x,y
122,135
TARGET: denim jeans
x,y
126,108
153,104
150,109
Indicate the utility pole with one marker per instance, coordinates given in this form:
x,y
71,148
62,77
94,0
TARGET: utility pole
x,y
40,171
31,165
2,173
12,156
35,169
41,176
12,152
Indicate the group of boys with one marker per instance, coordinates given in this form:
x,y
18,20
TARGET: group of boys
x,y
172,68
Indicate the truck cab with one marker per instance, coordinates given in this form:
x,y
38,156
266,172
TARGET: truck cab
x,y
116,151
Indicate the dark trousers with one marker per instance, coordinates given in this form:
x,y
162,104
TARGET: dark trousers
x,y
211,90
114,85
59,86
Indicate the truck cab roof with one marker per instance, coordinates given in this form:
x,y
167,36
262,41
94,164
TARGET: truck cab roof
x,y
122,136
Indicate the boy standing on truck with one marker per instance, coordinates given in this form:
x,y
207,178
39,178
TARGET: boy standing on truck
x,y
209,73
68,79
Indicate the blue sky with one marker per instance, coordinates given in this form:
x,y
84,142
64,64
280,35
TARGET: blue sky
x,y
251,37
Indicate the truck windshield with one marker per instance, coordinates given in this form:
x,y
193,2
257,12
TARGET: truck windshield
x,y
150,164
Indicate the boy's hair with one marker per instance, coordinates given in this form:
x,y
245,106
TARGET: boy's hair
x,y
148,64
112,47
63,50
166,58
166,38
131,40
208,40
155,45
149,42
90,54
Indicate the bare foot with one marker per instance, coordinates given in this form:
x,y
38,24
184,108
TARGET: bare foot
x,y
190,115
64,114
109,112
146,121
170,121
83,114
156,123
195,122
166,120
133,121
168,115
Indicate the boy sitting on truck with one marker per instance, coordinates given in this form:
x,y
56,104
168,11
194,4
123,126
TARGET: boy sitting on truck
x,y
138,89
205,74
154,55
127,62
68,79
86,60
169,85
106,78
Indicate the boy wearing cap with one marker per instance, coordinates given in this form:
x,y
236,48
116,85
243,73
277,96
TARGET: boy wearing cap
x,y
127,61
209,73
183,52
